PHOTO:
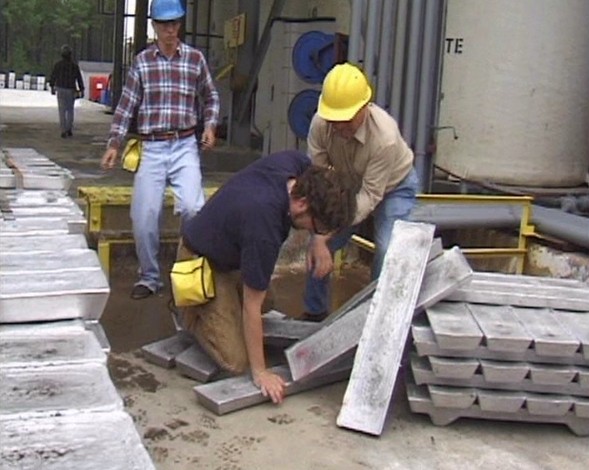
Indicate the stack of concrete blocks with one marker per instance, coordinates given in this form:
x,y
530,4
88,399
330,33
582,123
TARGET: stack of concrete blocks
x,y
28,82
11,80
505,347
40,84
60,409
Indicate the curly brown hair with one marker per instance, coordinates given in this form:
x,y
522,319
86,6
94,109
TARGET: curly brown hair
x,y
331,201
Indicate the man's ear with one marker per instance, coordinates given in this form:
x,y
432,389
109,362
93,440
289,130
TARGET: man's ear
x,y
300,204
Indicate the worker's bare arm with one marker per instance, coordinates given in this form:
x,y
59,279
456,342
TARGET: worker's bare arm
x,y
270,384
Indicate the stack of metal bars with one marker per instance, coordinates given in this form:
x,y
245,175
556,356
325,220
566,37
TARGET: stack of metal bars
x,y
505,347
59,407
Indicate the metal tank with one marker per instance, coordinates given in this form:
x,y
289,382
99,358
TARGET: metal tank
x,y
515,88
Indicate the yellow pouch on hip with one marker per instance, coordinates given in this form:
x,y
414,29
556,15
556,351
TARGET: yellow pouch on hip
x,y
132,155
192,282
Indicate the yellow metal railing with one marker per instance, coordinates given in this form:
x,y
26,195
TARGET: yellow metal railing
x,y
525,228
108,221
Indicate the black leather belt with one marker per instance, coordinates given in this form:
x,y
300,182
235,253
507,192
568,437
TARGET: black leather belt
x,y
168,135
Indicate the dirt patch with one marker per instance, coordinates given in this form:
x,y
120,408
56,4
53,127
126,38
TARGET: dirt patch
x,y
281,419
126,375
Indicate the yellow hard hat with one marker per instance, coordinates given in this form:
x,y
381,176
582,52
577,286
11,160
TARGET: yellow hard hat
x,y
345,90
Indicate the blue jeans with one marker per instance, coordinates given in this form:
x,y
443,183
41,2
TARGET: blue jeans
x,y
176,162
395,205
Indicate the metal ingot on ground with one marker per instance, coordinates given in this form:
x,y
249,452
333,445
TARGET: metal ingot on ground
x,y
63,389
51,296
10,227
66,260
76,221
92,441
46,243
54,343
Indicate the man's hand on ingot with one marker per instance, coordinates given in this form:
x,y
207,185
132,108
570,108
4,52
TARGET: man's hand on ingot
x,y
271,385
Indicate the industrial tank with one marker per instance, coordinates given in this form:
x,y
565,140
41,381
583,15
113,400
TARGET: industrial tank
x,y
515,88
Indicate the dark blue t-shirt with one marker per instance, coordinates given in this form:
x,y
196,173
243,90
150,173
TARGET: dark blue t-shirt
x,y
244,224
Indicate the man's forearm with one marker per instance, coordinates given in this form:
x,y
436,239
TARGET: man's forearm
x,y
252,329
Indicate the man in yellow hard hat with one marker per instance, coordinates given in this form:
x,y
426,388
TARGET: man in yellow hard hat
x,y
363,144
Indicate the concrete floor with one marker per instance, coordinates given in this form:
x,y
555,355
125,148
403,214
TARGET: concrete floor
x,y
301,433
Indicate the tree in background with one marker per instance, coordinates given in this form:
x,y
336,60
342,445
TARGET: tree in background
x,y
35,30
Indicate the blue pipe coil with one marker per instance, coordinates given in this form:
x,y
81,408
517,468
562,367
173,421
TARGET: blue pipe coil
x,y
313,55
301,110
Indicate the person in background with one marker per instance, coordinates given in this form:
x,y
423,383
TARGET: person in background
x,y
240,230
63,80
363,144
164,89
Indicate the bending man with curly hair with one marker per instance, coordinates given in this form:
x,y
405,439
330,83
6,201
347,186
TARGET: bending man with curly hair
x,y
241,230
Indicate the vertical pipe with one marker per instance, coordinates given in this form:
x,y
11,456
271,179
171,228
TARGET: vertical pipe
x,y
140,32
399,59
372,37
384,55
241,103
117,74
209,21
253,59
355,32
412,60
425,94
193,23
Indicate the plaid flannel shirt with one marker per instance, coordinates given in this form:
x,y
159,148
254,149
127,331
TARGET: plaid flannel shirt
x,y
166,94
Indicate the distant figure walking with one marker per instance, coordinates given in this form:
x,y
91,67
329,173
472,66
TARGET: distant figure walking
x,y
64,77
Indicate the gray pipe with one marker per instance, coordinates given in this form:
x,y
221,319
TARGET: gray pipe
x,y
454,216
412,61
568,227
383,76
372,37
355,32
399,59
425,105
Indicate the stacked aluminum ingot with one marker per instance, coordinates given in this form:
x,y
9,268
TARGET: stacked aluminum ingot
x,y
58,406
505,347
33,171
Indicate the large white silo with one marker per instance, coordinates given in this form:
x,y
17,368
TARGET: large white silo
x,y
515,87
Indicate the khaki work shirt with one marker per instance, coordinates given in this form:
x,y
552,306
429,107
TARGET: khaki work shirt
x,y
377,158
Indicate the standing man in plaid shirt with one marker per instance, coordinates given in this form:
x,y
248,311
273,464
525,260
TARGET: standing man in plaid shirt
x,y
164,88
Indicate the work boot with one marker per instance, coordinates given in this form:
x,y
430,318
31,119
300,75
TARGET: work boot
x,y
313,317
63,135
141,292
69,133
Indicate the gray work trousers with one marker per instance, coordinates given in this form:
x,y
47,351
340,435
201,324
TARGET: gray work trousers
x,y
65,104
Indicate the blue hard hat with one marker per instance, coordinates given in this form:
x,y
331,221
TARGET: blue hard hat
x,y
166,10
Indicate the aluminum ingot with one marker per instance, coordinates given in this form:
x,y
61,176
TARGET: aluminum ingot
x,y
51,296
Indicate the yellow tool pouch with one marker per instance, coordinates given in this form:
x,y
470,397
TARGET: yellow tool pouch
x,y
192,282
132,155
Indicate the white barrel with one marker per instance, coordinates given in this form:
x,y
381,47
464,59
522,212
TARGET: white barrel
x,y
515,87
